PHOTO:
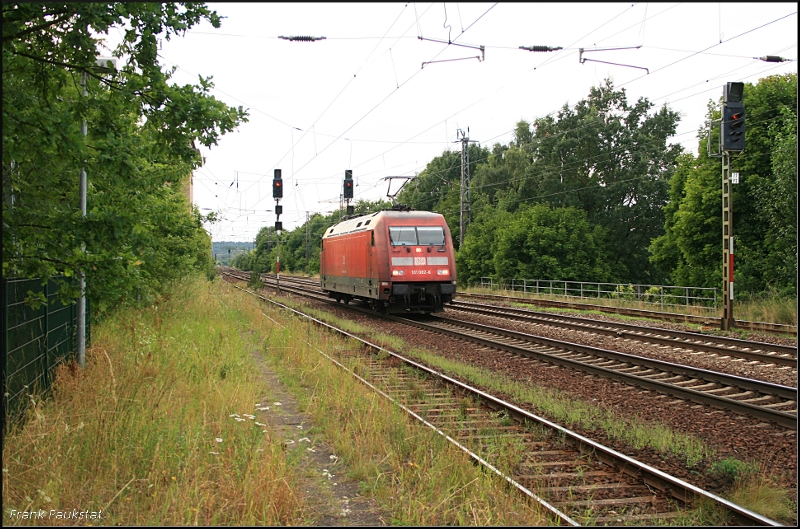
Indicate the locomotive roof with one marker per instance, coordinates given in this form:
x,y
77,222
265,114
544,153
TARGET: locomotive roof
x,y
369,221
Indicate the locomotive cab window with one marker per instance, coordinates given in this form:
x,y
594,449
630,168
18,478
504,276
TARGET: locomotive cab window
x,y
416,236
403,235
430,235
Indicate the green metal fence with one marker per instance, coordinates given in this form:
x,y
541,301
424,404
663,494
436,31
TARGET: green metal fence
x,y
35,341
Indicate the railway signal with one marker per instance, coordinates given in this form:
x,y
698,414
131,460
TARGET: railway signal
x,y
733,127
277,185
348,183
277,194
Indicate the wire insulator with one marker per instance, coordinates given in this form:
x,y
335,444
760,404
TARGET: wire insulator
x,y
302,38
540,48
772,58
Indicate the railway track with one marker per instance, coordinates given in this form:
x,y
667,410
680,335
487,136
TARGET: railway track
x,y
662,316
575,479
763,400
767,353
755,398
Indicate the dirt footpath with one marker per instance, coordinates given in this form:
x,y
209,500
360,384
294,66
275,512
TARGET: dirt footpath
x,y
333,496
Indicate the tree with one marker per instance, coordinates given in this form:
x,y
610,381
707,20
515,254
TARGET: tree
x,y
612,160
475,258
138,234
690,251
535,242
764,202
542,242
776,205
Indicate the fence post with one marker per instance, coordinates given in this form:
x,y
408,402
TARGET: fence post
x,y
46,377
5,352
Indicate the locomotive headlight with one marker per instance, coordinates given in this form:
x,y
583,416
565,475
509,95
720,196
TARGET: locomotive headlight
x,y
398,272
445,272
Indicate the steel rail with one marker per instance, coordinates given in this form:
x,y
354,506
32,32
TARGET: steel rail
x,y
681,339
788,420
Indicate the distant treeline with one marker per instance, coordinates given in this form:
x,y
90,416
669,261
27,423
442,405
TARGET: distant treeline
x,y
224,251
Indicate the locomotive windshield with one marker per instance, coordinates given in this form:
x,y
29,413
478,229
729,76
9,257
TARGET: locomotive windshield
x,y
416,236
430,235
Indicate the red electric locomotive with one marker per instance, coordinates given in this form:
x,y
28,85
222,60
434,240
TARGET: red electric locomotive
x,y
398,261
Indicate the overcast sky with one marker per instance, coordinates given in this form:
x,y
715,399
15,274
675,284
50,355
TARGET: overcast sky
x,y
361,99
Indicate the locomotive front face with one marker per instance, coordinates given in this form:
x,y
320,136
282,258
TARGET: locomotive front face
x,y
422,267
419,253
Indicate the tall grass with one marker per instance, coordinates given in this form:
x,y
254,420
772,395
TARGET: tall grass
x,y
768,307
144,432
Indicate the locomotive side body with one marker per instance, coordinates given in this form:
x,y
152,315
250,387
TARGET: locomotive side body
x,y
397,261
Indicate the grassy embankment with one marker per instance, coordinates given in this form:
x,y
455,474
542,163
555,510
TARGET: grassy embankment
x,y
145,432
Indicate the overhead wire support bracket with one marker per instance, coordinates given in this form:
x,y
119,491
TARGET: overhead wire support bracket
x,y
481,57
301,38
583,59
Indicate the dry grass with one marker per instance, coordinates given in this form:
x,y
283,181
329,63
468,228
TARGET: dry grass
x,y
144,433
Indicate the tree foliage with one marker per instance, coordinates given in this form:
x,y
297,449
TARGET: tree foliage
x,y
764,202
538,241
139,232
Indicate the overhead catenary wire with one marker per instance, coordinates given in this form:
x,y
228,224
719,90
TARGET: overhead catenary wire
x,y
387,97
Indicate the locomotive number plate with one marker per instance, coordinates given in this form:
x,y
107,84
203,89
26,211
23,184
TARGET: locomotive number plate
x,y
420,272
